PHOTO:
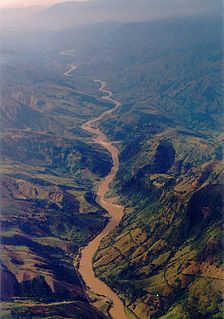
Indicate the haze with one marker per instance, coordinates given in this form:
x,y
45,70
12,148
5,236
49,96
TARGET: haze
x,y
28,3
73,13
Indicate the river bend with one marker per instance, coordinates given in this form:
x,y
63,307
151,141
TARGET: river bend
x,y
115,211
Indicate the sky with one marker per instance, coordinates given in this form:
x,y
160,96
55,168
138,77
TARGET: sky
x,y
26,3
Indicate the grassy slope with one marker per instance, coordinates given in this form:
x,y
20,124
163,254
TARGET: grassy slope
x,y
48,207
167,252
167,258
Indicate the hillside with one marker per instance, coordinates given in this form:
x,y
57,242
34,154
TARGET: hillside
x,y
168,249
48,207
78,13
165,258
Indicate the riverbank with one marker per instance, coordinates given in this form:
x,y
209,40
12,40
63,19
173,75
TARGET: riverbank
x,y
115,211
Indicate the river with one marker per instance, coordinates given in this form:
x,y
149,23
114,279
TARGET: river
x,y
72,68
115,211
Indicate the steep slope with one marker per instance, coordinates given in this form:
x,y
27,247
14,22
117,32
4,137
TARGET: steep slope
x,y
165,258
48,208
19,116
48,211
169,246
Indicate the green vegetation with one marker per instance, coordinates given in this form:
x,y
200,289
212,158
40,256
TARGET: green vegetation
x,y
49,171
30,310
165,258
168,249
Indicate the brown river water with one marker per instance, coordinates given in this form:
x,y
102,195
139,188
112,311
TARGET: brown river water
x,y
115,211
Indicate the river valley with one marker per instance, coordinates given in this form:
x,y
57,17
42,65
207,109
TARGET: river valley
x,y
115,211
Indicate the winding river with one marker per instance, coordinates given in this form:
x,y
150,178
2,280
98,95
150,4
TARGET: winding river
x,y
72,68
115,211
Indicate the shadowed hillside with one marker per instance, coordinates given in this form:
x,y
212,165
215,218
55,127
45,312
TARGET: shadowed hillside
x,y
48,206
165,258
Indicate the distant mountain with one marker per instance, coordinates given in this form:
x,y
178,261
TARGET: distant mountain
x,y
173,65
165,258
74,13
